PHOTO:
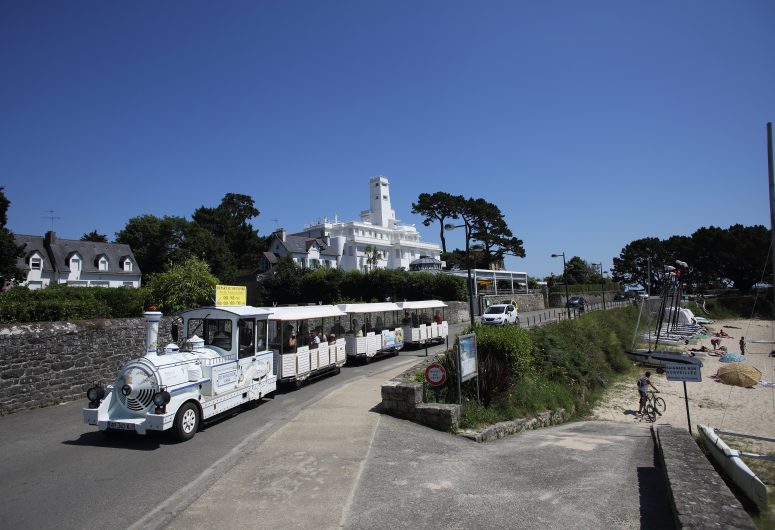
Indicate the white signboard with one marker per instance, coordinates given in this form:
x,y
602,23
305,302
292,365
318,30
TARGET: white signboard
x,y
683,372
467,352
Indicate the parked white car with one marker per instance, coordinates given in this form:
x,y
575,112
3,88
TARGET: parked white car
x,y
500,315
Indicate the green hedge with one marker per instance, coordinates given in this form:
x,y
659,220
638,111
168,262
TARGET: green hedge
x,y
60,302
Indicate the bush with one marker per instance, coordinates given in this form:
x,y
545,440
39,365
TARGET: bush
x,y
60,302
182,286
562,365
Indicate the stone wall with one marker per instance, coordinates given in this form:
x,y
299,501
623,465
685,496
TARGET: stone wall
x,y
456,312
506,428
558,299
526,302
51,362
699,496
402,397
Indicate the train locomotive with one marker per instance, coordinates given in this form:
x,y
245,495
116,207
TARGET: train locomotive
x,y
222,363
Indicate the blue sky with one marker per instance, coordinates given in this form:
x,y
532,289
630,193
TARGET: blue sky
x,y
590,124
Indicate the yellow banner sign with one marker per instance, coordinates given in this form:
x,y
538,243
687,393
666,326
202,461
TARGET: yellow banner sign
x,y
226,295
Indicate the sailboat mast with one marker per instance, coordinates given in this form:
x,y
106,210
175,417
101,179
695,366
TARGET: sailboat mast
x,y
772,199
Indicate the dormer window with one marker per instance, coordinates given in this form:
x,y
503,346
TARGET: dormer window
x,y
36,264
101,262
75,262
127,265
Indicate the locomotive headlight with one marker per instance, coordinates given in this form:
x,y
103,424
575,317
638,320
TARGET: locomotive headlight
x,y
160,399
95,394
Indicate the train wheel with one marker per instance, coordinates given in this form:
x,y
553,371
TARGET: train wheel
x,y
186,422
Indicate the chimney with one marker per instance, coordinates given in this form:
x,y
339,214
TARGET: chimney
x,y
281,233
50,238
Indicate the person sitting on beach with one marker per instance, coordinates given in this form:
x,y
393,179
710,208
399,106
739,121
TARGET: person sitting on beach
x,y
723,333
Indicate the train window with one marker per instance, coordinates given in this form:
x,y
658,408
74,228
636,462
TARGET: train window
x,y
247,336
218,333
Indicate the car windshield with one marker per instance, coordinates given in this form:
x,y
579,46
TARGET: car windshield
x,y
496,310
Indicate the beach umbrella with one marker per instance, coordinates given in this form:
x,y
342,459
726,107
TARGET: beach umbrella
x,y
739,374
732,358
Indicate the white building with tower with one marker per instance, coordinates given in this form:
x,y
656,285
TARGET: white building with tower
x,y
396,244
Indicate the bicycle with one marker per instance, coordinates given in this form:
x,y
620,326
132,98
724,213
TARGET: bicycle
x,y
655,405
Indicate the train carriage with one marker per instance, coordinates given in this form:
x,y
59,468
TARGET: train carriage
x,y
306,341
373,329
423,322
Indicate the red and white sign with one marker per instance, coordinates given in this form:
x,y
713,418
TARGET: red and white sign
x,y
435,374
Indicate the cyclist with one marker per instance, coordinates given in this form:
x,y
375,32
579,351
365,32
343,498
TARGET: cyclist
x,y
643,389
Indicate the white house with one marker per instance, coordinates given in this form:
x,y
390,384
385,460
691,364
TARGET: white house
x,y
397,245
48,260
307,252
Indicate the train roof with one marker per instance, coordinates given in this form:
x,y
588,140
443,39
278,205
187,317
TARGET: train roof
x,y
238,310
305,312
421,304
370,307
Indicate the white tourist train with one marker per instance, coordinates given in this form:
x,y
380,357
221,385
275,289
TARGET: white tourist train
x,y
233,355
229,356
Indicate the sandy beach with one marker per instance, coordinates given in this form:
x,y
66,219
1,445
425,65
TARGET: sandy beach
x,y
711,402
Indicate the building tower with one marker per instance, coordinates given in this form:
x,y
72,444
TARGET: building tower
x,y
379,202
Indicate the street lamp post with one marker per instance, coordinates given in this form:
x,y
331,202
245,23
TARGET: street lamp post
x,y
468,267
602,281
565,280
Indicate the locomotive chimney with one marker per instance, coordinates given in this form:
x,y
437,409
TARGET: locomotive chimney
x,y
152,319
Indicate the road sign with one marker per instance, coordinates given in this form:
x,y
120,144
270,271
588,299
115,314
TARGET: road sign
x,y
683,372
435,374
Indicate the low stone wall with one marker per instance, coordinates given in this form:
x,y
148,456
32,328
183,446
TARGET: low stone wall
x,y
526,302
558,299
506,428
51,362
402,398
699,496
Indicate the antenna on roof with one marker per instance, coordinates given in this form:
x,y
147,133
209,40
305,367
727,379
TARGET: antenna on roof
x,y
276,222
50,217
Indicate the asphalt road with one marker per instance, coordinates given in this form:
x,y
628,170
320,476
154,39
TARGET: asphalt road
x,y
577,475
57,472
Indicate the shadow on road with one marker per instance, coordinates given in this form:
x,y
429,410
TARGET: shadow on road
x,y
655,508
122,440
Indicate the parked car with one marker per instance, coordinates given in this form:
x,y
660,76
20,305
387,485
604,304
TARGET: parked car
x,y
500,315
620,296
577,302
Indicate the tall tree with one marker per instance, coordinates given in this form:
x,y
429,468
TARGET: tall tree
x,y
9,250
155,241
229,221
95,237
490,229
439,206
579,272
635,261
